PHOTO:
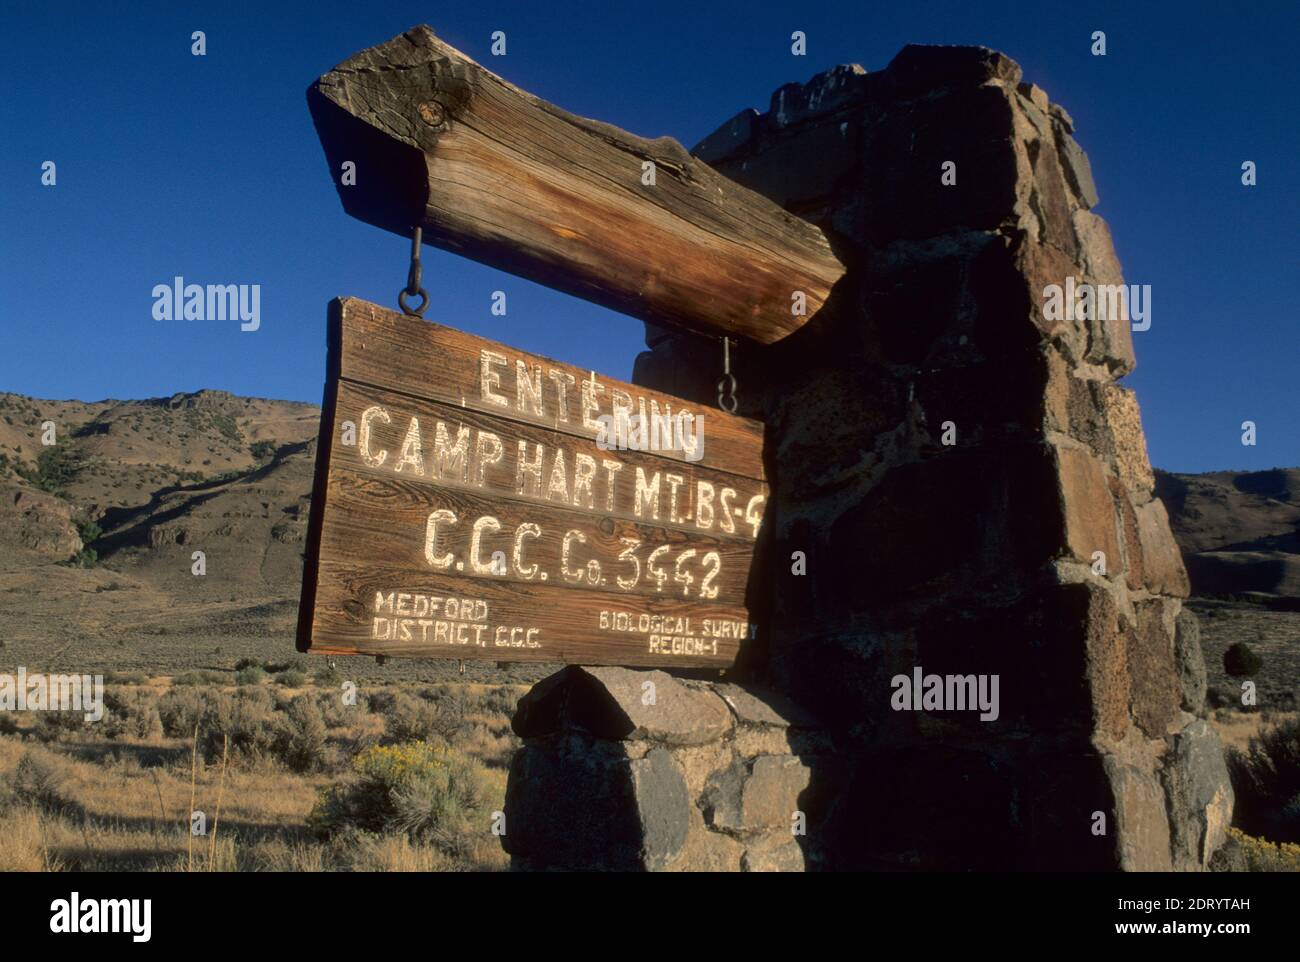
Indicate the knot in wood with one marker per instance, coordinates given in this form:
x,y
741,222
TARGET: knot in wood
x,y
432,113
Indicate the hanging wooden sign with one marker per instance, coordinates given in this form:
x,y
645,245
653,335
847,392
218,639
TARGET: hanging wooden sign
x,y
476,501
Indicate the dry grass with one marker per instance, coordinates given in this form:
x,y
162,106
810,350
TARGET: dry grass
x,y
1237,728
122,803
23,843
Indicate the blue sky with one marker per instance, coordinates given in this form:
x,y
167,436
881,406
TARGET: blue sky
x,y
208,167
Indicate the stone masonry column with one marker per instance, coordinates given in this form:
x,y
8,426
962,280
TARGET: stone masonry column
x,y
971,491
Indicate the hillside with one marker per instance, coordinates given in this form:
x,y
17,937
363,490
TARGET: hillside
x,y
1239,531
97,532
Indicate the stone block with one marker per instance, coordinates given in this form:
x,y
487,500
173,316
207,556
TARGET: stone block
x,y
1110,337
1046,200
905,146
826,154
752,796
754,707
1134,573
622,703
921,68
732,137
708,851
1109,677
1075,162
1162,561
1141,826
771,795
1124,422
1190,661
1153,677
1040,267
662,806
576,804
1089,509
1200,796
829,92
778,854
1035,94
1074,406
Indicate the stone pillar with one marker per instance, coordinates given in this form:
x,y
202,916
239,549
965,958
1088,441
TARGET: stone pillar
x,y
636,770
969,485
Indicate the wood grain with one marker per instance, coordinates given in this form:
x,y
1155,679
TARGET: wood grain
x,y
568,620
532,480
389,350
385,518
565,575
501,176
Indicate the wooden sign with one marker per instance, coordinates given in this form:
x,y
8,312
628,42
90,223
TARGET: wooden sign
x,y
476,501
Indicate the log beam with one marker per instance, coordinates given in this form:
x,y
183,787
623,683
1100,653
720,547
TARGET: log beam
x,y
496,174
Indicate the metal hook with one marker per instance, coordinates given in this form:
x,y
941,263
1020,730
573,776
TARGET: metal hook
x,y
727,386
413,277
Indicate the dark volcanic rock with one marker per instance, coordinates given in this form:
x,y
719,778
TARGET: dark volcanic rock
x,y
971,489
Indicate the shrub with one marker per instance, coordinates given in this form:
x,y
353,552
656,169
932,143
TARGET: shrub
x,y
335,712
247,716
428,794
364,730
8,723
247,663
409,718
502,699
180,710
1239,661
452,711
37,780
53,469
328,677
252,675
1244,853
53,725
131,713
302,738
1266,781
89,531
261,449
291,678
1218,697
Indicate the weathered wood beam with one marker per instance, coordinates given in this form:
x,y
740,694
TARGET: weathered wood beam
x,y
498,175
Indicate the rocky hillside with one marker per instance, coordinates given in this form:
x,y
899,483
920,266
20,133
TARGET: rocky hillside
x,y
98,530
1239,531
